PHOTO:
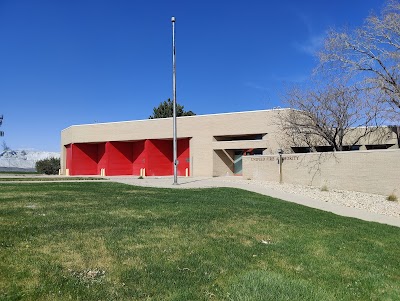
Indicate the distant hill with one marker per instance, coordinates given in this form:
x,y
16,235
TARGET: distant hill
x,y
16,160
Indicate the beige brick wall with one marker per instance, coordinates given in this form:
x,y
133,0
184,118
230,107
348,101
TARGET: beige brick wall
x,y
376,171
265,168
201,129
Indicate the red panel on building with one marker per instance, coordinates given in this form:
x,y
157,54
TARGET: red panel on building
x,y
138,157
159,157
119,158
127,158
102,158
85,158
183,157
68,163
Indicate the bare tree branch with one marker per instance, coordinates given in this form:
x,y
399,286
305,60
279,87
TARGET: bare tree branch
x,y
370,55
335,115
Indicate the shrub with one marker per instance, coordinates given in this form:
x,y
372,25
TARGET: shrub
x,y
48,166
392,198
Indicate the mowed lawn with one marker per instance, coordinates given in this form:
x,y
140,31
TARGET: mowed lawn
x,y
109,241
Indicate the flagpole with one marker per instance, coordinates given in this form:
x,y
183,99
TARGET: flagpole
x,y
175,161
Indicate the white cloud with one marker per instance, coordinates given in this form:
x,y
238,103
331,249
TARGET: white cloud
x,y
314,41
311,45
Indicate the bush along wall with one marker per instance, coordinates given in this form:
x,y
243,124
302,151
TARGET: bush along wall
x,y
48,166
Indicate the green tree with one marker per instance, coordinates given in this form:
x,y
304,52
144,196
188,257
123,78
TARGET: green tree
x,y
166,109
49,166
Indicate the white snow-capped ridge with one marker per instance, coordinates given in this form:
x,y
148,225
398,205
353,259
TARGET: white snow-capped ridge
x,y
26,158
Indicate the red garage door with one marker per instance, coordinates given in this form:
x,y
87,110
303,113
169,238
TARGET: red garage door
x,y
83,158
127,157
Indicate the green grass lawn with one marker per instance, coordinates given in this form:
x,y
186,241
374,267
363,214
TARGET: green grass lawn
x,y
18,173
108,241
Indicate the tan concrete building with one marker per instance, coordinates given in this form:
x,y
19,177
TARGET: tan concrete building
x,y
208,145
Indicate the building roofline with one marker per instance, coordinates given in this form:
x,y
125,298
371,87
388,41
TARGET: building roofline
x,y
194,116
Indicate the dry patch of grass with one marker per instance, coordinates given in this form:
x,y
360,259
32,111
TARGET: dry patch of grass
x,y
23,195
136,214
79,252
141,192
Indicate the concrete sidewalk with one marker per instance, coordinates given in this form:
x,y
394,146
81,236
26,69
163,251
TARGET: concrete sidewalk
x,y
238,182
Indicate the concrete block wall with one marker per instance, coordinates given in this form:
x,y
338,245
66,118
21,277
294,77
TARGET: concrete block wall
x,y
200,129
375,171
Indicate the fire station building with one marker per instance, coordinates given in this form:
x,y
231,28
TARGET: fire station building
x,y
208,145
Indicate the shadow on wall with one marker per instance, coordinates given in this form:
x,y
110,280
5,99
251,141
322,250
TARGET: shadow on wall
x,y
127,157
223,162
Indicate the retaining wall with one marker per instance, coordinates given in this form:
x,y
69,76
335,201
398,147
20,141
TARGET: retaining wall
x,y
376,171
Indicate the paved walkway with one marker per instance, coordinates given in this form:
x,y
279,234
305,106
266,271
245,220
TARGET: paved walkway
x,y
238,182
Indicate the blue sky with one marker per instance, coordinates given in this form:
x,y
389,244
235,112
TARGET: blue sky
x,y
66,62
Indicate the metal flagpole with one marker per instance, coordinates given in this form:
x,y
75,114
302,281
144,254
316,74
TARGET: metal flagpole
x,y
175,161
